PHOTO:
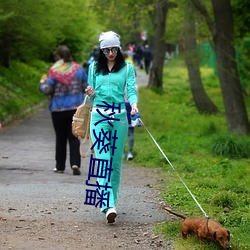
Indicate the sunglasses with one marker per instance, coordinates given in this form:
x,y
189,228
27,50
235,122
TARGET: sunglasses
x,y
106,51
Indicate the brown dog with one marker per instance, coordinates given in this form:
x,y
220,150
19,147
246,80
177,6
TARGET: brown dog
x,y
204,229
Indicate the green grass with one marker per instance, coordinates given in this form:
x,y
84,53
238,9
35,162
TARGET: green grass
x,y
19,88
214,164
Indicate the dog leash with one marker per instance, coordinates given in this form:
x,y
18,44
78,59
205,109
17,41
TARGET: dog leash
x,y
174,170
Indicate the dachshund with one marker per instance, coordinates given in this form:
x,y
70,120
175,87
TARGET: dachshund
x,y
204,229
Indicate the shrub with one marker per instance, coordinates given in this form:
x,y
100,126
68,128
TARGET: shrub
x,y
223,200
231,146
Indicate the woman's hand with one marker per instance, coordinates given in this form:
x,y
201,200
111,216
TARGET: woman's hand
x,y
90,91
134,109
43,79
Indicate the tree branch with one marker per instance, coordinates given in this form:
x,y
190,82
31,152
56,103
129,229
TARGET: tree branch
x,y
202,9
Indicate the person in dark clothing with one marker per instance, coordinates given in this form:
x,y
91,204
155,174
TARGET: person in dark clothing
x,y
92,57
147,54
138,56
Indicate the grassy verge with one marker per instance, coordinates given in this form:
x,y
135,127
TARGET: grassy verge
x,y
213,164
19,88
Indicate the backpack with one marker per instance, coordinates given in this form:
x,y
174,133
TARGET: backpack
x,y
81,125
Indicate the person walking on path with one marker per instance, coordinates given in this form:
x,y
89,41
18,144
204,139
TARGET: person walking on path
x,y
65,84
147,54
108,78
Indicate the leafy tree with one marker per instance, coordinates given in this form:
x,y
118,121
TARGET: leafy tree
x,y
221,28
22,35
126,17
175,24
78,29
242,33
156,72
241,18
28,33
201,99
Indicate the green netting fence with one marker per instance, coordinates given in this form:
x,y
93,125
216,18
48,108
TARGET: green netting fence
x,y
208,58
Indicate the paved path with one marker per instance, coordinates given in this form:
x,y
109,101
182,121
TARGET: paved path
x,y
26,163
31,191
141,78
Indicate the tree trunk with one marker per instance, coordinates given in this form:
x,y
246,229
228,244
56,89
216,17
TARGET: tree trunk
x,y
223,38
159,47
201,99
235,109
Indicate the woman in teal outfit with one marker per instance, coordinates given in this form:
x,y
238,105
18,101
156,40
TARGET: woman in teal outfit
x,y
108,78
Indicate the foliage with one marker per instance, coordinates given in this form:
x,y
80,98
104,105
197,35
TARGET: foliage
x,y
19,88
27,33
230,146
219,183
243,60
242,37
175,25
127,17
241,17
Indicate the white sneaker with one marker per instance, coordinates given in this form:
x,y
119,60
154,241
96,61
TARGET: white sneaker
x,y
111,215
129,156
58,171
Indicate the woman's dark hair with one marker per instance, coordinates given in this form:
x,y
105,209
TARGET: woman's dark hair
x,y
63,52
102,67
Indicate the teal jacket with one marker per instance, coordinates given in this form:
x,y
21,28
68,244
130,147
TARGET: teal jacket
x,y
110,88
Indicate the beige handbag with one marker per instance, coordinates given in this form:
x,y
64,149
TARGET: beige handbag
x,y
81,125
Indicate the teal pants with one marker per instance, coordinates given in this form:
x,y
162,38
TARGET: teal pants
x,y
121,128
